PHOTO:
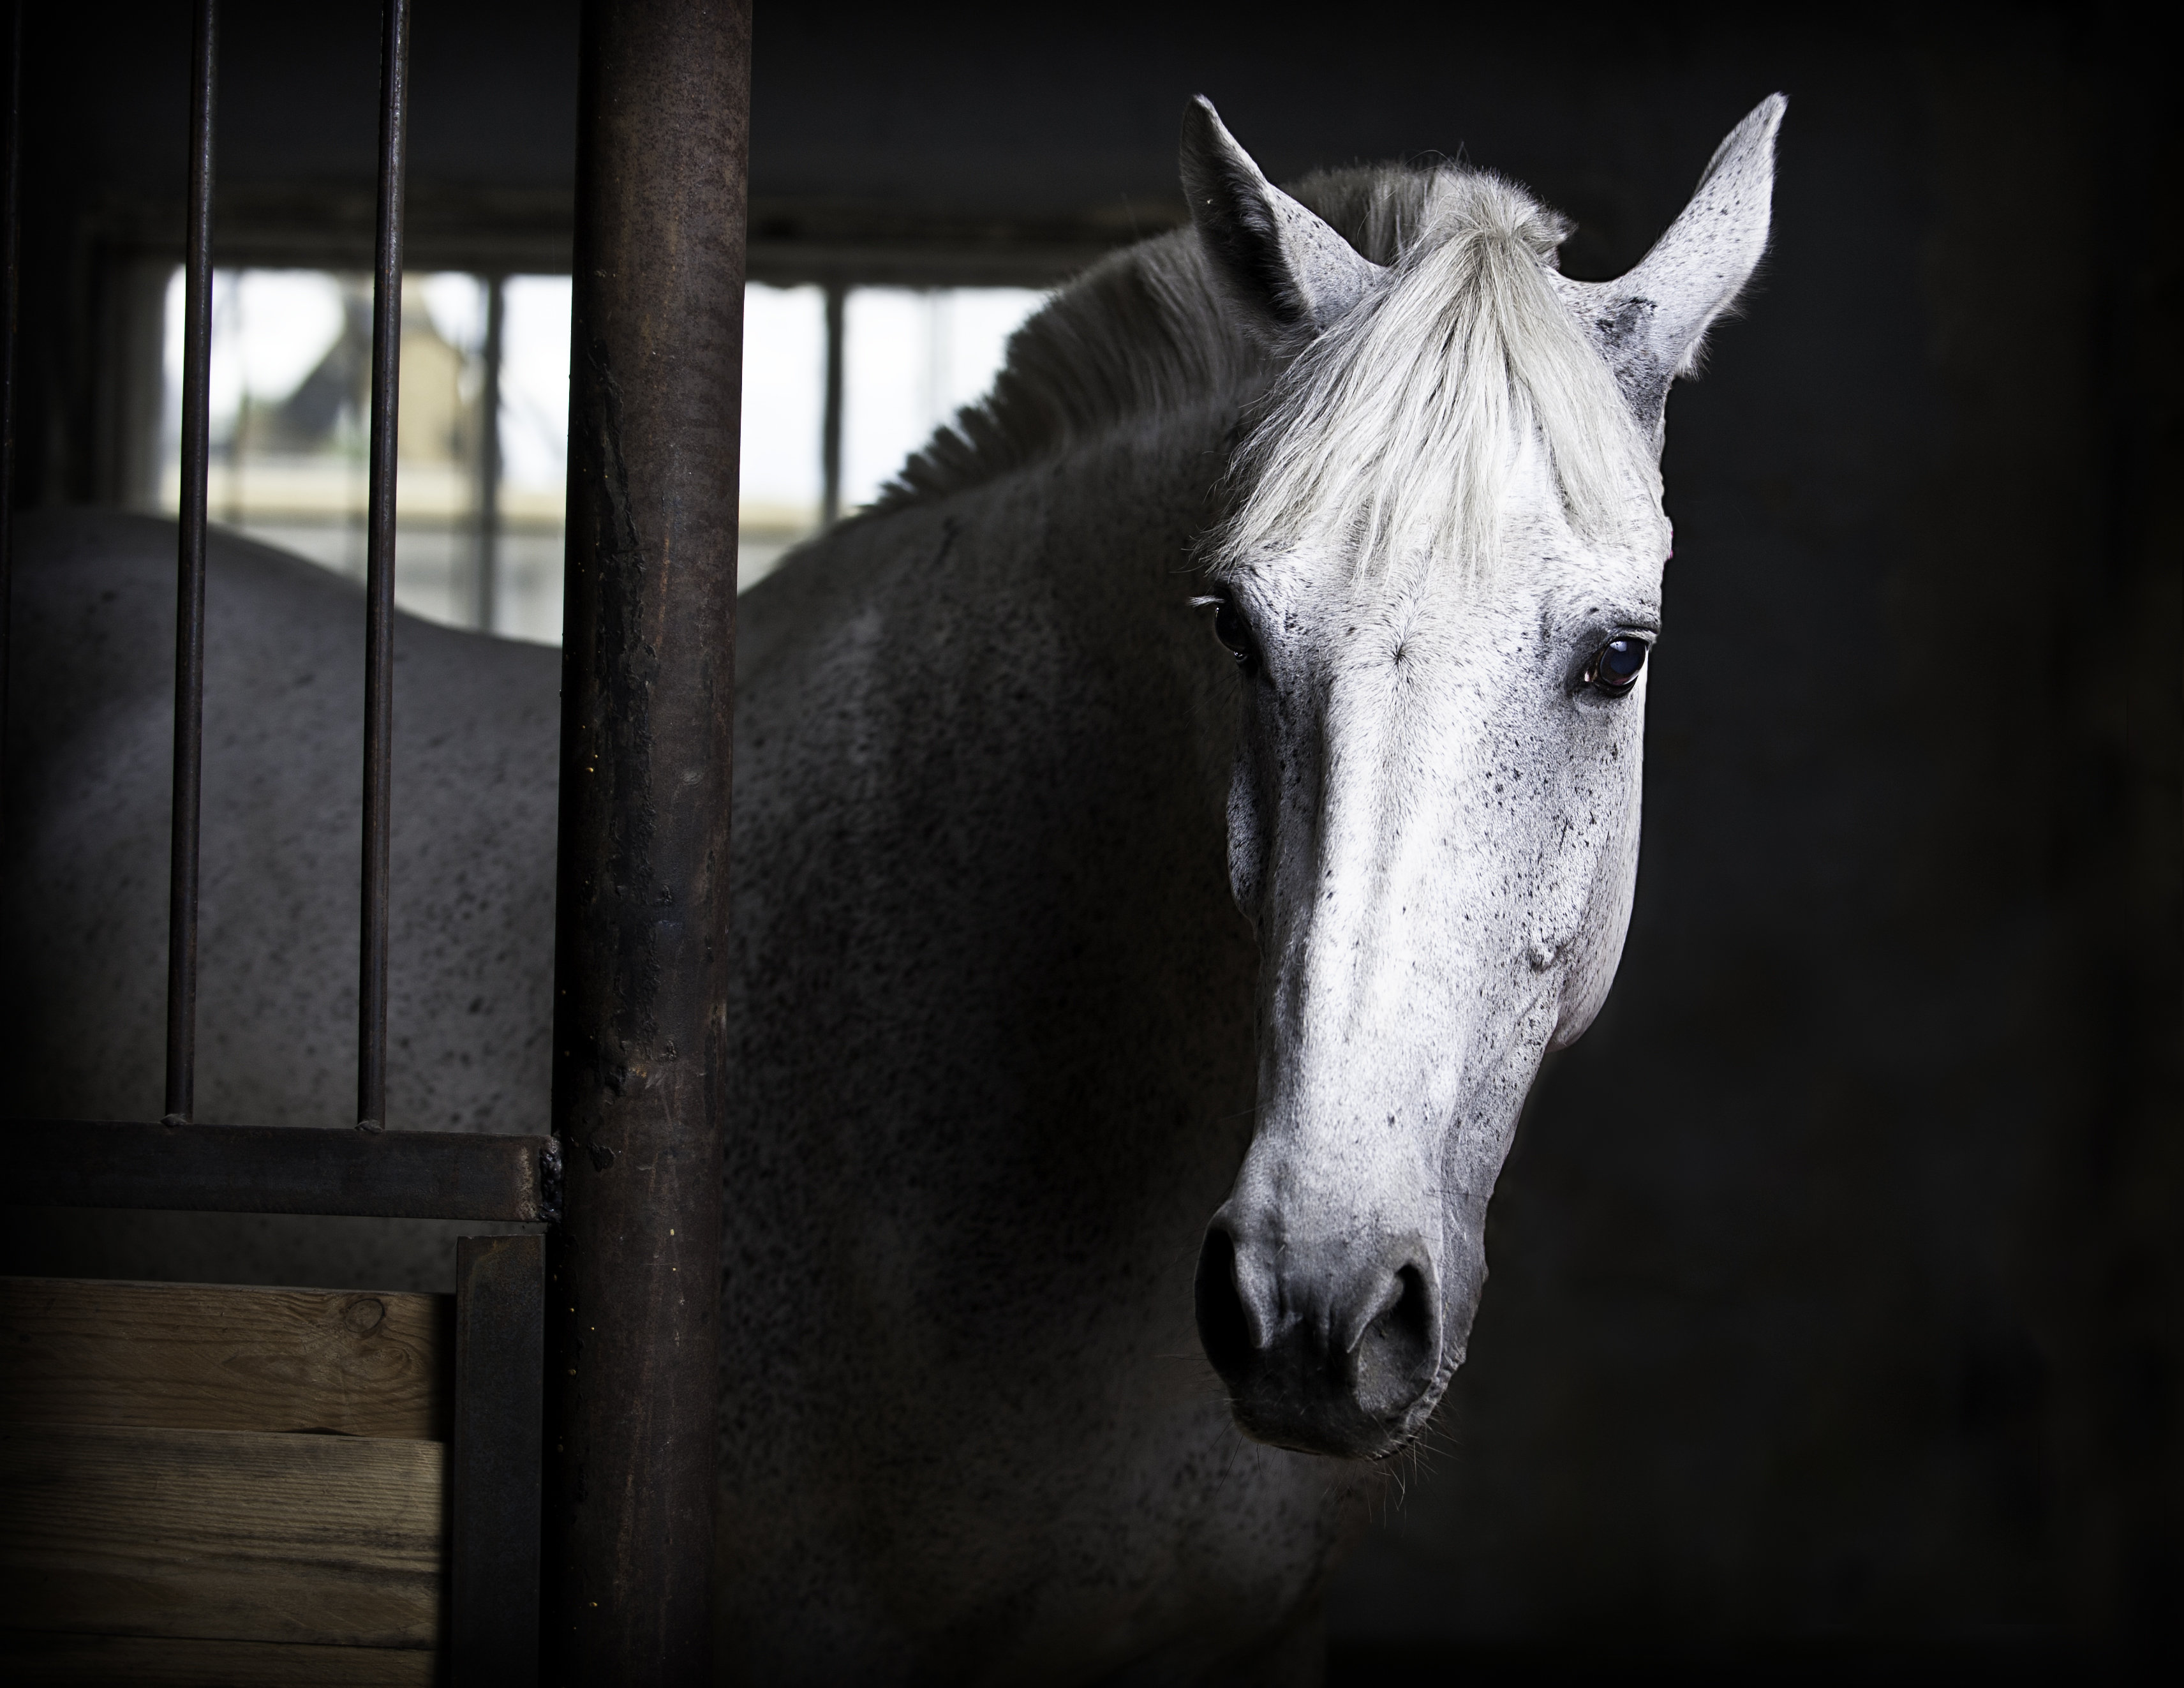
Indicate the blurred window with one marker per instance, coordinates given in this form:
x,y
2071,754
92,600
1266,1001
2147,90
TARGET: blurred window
x,y
911,360
484,433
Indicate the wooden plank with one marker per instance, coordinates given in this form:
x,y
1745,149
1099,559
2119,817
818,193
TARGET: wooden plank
x,y
282,1169
222,1535
499,1458
213,1356
33,1660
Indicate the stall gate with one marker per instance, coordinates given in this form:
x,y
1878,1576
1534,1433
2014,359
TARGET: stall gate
x,y
224,1485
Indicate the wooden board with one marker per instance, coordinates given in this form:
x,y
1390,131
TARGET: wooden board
x,y
211,1357
29,1660
330,1540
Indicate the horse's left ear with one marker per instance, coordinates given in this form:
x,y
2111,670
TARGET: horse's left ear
x,y
1652,324
1286,270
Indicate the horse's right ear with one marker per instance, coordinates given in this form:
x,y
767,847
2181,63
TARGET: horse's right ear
x,y
1650,325
1287,272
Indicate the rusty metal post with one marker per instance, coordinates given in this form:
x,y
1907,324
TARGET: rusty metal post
x,y
647,687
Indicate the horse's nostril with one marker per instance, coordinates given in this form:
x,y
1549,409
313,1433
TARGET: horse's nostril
x,y
1345,1365
1396,1354
1224,1327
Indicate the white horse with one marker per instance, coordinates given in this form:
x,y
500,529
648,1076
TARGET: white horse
x,y
1003,1041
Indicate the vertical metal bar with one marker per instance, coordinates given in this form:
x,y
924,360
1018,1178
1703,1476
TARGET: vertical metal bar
x,y
11,178
500,1376
830,428
642,904
379,572
486,587
190,588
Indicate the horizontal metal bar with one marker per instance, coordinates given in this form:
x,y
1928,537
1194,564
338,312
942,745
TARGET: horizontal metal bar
x,y
280,1169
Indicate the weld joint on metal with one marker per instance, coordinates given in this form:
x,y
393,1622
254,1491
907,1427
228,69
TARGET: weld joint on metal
x,y
549,1180
170,1121
371,1128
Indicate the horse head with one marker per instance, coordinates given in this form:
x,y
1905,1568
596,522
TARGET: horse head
x,y
1440,577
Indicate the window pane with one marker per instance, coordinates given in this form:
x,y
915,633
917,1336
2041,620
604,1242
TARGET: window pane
x,y
784,413
534,455
291,380
290,386
912,358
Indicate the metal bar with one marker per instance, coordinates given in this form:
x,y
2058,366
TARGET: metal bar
x,y
282,1169
190,588
485,587
11,180
641,963
499,1455
379,573
830,427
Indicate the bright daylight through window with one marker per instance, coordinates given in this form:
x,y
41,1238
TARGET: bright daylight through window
x,y
484,446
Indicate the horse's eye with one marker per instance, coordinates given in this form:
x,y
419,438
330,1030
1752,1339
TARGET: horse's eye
x,y
1614,666
1231,629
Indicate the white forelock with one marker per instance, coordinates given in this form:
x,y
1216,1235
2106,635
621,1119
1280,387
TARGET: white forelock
x,y
1391,435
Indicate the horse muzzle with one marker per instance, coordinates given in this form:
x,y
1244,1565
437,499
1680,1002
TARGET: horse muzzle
x,y
1333,1351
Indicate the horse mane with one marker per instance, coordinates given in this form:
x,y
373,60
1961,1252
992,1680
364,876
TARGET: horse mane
x,y
1142,332
1391,432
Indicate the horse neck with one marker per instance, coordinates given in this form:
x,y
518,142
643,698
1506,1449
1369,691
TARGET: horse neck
x,y
1065,580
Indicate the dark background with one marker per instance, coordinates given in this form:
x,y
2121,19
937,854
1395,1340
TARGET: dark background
x,y
1835,1322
